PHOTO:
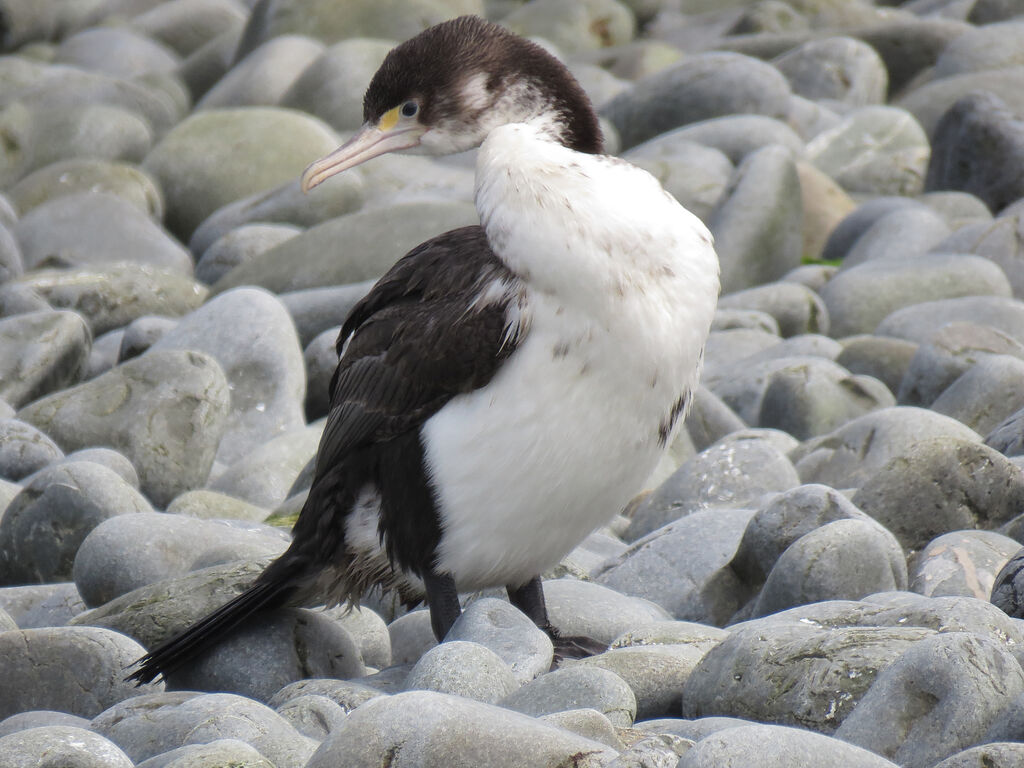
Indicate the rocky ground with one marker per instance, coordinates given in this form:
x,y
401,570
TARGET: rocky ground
x,y
807,581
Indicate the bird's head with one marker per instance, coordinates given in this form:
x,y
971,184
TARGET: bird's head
x,y
445,89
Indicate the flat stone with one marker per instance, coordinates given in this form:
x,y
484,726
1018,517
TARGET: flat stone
x,y
182,397
39,664
450,730
113,296
825,205
962,563
142,333
45,524
147,726
507,632
63,745
119,52
348,695
937,699
859,221
41,352
24,450
959,209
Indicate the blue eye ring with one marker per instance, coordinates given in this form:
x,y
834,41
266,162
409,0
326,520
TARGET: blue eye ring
x,y
409,109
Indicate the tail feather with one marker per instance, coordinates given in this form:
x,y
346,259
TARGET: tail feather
x,y
209,631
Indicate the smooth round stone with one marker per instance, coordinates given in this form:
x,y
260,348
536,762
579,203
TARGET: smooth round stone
x,y
88,175
796,308
89,229
978,147
109,458
152,725
809,118
437,729
994,46
72,499
880,357
41,665
66,746
998,755
264,75
656,674
940,484
239,246
38,718
1000,240
165,411
699,637
586,609
875,150
38,606
11,262
962,563
793,672
24,450
332,87
369,631
920,321
745,319
859,221
825,205
46,350
507,632
350,248
701,87
757,228
250,334
186,25
117,52
574,27
860,298
588,723
265,474
948,354
213,754
465,669
312,716
694,730
959,209
142,333
841,560
209,159
206,504
348,695
726,475
986,394
285,204
907,231
105,353
930,102
1008,436
776,746
682,566
736,135
785,519
937,699
411,637
206,65
855,453
321,360
125,553
840,68
576,687
695,175
18,299
710,419
113,296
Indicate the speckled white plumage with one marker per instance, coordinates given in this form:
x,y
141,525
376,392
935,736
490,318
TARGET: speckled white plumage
x,y
618,285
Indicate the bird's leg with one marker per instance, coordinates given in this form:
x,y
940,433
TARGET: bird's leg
x,y
443,600
529,599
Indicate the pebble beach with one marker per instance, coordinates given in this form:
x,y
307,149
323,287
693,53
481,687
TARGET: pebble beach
x,y
827,567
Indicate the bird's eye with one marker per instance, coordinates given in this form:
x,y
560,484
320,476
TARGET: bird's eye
x,y
410,108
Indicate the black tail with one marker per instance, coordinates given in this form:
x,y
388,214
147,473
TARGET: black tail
x,y
211,630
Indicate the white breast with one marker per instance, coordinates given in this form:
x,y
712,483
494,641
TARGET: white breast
x,y
620,287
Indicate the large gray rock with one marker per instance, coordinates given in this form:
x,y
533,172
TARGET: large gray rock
x,y
185,25
165,411
44,525
41,352
840,68
37,606
919,322
992,46
1000,240
881,358
501,627
67,746
112,297
238,246
734,135
264,76
150,725
79,670
583,608
214,753
118,52
962,563
700,88
90,229
24,450
989,392
250,334
576,687
463,668
938,698
931,101
578,28
997,755
436,729
796,308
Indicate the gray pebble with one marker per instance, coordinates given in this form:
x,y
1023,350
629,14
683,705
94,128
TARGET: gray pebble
x,y
63,745
588,723
507,632
726,319
999,755
321,360
263,76
964,563
118,52
312,715
583,608
859,221
38,665
185,27
151,725
238,246
726,348
658,751
840,68
44,352
694,730
465,669
348,695
19,299
938,698
958,209
369,631
710,419
931,101
165,411
213,754
36,606
904,232
796,308
986,394
411,637
920,321
210,504
322,309
880,357
24,450
437,729
739,135
942,484
593,26
576,687
46,523
36,718
1000,240
993,46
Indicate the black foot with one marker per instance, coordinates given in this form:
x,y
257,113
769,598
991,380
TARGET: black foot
x,y
573,647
